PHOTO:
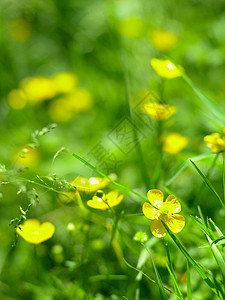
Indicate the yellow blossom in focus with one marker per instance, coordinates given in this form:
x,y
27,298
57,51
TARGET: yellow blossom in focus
x,y
39,88
167,211
174,142
215,141
163,40
165,68
20,30
105,201
35,233
131,27
17,99
90,185
65,82
159,111
27,156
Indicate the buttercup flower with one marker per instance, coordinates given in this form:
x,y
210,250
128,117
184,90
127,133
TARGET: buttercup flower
x,y
39,88
165,68
35,233
159,111
90,185
215,141
105,201
174,142
163,40
165,211
65,82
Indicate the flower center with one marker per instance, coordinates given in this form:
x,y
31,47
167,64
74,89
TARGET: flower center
x,y
164,210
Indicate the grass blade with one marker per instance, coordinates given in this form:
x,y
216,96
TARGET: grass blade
x,y
207,183
210,103
163,295
186,164
189,293
175,283
191,260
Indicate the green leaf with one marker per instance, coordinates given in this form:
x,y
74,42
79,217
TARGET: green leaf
x,y
207,183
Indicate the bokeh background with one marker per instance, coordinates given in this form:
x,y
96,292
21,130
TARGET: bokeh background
x,y
80,69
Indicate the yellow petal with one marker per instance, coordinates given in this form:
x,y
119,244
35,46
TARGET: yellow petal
x,y
46,230
165,68
158,229
97,203
155,197
172,204
163,40
34,233
159,111
113,198
174,142
90,185
150,212
175,222
215,142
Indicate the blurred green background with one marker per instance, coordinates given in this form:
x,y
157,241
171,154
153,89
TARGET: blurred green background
x,y
105,48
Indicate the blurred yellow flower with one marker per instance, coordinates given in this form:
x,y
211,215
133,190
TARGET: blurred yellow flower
x,y
20,30
39,88
105,201
65,82
27,156
131,27
159,111
163,40
165,68
90,185
165,211
174,142
35,233
65,108
17,99
215,141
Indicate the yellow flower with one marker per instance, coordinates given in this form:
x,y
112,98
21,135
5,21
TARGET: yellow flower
x,y
131,27
159,111
165,68
20,30
215,142
35,233
27,156
163,40
105,201
65,108
165,211
174,142
90,185
39,88
65,82
17,99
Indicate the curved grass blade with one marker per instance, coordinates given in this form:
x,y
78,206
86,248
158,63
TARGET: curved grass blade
x,y
186,164
208,183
